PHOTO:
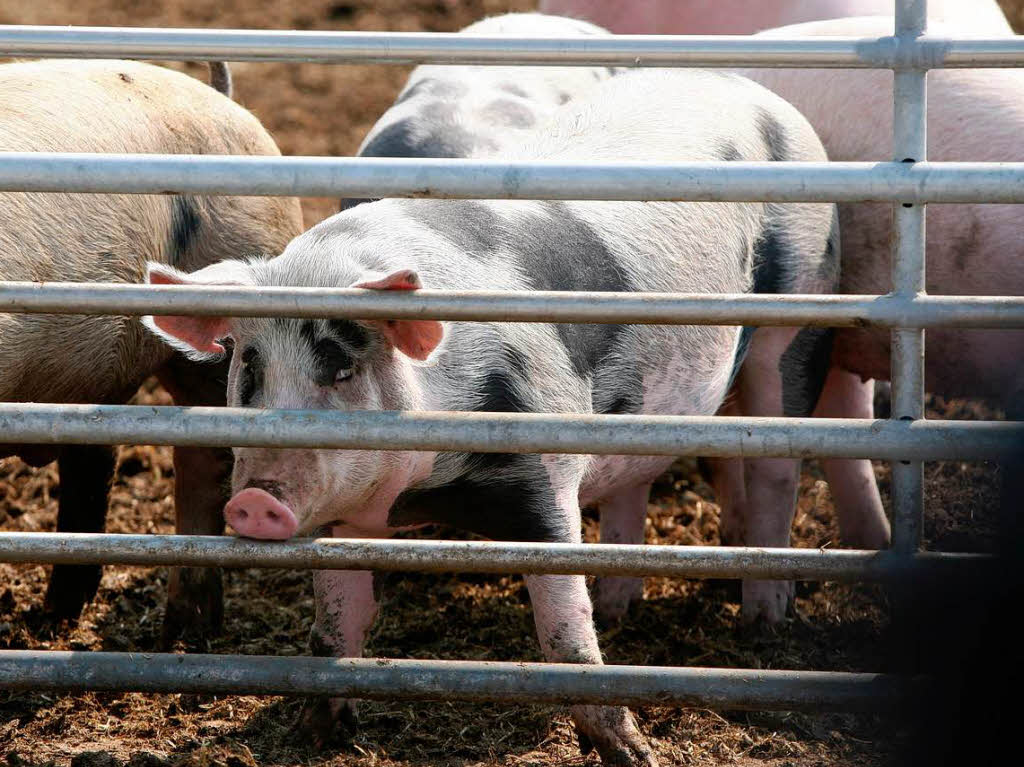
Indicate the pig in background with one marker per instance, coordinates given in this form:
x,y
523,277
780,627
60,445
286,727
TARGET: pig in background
x,y
973,115
507,367
745,17
471,111
121,106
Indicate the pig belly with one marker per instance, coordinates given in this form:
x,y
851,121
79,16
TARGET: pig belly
x,y
609,474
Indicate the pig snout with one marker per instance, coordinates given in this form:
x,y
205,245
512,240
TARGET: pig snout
x,y
255,513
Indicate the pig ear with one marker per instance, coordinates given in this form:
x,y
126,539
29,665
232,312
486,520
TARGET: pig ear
x,y
195,336
416,339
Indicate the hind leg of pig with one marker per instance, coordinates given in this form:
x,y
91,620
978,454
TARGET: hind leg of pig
x,y
86,472
346,606
195,595
622,521
782,376
862,520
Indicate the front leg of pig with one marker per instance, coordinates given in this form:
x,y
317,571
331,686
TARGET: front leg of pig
x,y
195,595
346,606
565,627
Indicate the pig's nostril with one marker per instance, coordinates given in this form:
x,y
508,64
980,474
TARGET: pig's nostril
x,y
272,515
243,514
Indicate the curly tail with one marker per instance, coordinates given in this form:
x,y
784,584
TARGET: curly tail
x,y
220,77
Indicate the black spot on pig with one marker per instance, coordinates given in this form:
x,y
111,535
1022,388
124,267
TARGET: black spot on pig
x,y
185,225
803,367
728,152
411,138
473,227
350,333
499,496
336,352
773,134
572,256
618,390
770,256
250,376
501,389
508,113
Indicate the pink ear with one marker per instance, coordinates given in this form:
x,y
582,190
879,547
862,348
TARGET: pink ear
x,y
190,334
416,339
403,279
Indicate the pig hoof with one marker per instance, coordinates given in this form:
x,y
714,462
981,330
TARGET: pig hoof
x,y
70,588
766,601
613,597
324,720
613,732
195,605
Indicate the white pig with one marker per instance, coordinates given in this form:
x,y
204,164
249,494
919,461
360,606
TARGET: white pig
x,y
427,365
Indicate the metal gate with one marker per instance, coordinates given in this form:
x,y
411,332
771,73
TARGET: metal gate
x,y
910,182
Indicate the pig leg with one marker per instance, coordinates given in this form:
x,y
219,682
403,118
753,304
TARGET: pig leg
x,y
622,521
195,595
346,606
728,479
562,611
862,520
782,376
86,472
565,627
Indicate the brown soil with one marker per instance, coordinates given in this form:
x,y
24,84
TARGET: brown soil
x,y
325,111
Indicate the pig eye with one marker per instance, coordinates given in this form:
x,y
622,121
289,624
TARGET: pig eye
x,y
343,374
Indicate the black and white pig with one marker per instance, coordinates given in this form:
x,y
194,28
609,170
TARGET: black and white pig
x,y
428,365
122,106
471,111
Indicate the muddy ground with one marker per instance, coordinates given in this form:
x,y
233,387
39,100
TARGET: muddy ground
x,y
325,111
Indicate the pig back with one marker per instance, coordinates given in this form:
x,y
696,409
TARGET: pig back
x,y
108,106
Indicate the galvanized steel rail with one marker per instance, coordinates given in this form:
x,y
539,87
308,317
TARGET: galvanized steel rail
x,y
909,182
933,52
515,306
374,177
447,431
380,678
910,146
486,557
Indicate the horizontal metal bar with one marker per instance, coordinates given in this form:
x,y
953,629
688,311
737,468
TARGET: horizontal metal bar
x,y
484,557
386,679
510,432
515,306
448,48
493,179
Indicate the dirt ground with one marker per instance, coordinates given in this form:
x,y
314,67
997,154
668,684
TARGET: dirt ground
x,y
315,110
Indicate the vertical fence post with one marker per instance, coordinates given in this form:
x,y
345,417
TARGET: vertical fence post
x,y
910,141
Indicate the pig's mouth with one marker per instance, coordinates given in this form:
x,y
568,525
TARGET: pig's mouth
x,y
256,513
